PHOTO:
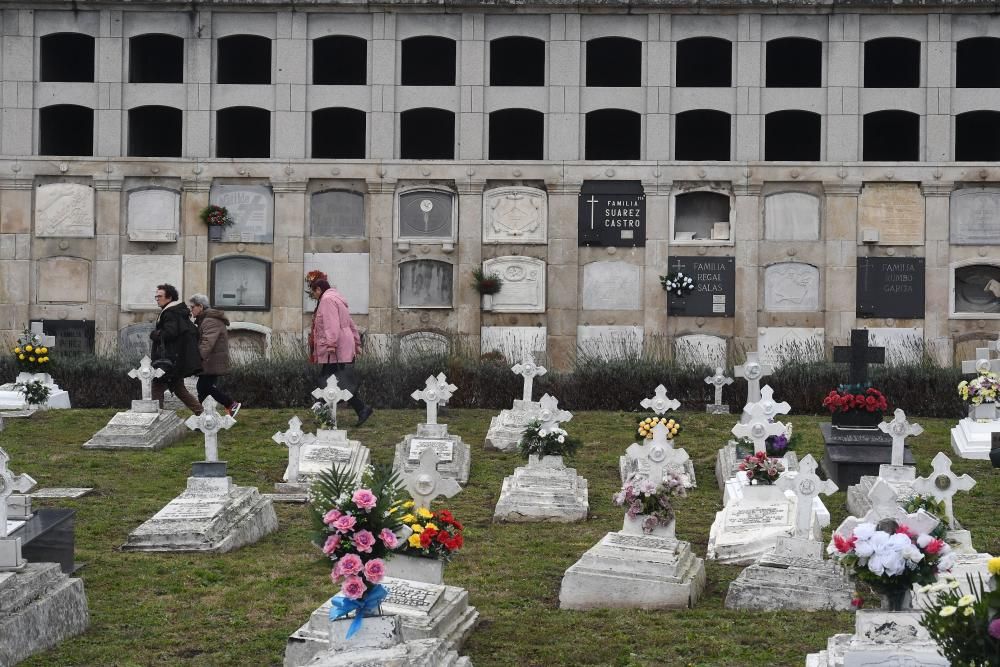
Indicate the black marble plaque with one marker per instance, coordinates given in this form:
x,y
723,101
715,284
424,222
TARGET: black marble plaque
x,y
891,287
850,454
49,536
714,292
611,213
72,336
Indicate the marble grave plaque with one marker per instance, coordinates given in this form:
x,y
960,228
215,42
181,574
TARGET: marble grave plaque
x,y
252,209
445,449
611,213
975,216
426,283
890,287
62,280
337,214
523,289
701,350
142,273
895,210
348,272
153,214
410,597
756,516
64,210
791,286
611,285
426,215
241,283
791,216
714,292
515,214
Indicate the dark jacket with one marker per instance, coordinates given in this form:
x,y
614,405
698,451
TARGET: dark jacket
x,y
176,338
213,341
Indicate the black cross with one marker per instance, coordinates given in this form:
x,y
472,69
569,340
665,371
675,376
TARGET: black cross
x,y
858,355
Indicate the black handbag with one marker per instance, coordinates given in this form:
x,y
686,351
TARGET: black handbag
x,y
168,367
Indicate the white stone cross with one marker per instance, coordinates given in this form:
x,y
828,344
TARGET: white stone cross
x,y
654,453
899,429
806,485
758,428
719,380
433,393
529,371
293,438
210,423
943,484
660,403
145,375
982,363
549,413
753,372
442,385
885,506
771,407
332,394
424,483
8,485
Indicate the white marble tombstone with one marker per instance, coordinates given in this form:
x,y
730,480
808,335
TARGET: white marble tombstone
x,y
791,287
659,449
252,208
972,437
975,216
523,289
609,341
791,216
337,213
513,342
153,214
515,214
453,454
717,382
294,439
881,638
507,428
898,476
142,273
611,285
64,210
331,448
942,484
777,345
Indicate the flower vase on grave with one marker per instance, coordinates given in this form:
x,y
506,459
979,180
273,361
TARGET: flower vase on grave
x,y
487,302
895,598
634,526
984,412
416,568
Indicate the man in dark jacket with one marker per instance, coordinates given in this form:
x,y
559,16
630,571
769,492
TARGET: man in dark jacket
x,y
175,346
213,348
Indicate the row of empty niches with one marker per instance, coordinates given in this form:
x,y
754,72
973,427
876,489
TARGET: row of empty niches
x,y
514,134
888,62
700,214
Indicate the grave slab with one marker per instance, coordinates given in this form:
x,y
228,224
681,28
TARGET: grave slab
x,y
748,527
61,492
779,582
970,439
881,638
12,400
136,429
545,491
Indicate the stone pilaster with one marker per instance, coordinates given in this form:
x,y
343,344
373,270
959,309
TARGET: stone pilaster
x,y
840,234
562,292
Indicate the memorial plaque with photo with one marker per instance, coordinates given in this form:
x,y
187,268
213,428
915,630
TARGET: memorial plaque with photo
x,y
241,283
133,340
975,216
72,336
977,288
252,209
611,213
337,213
426,215
714,292
891,287
426,283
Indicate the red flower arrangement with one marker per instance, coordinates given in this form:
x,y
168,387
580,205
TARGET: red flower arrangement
x,y
872,400
435,534
216,216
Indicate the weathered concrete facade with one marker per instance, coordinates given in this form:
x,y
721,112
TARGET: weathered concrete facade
x,y
92,252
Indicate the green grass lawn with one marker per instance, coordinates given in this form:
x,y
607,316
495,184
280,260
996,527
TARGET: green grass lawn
x,y
238,608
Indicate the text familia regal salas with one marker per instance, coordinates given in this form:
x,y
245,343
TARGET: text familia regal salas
x,y
708,276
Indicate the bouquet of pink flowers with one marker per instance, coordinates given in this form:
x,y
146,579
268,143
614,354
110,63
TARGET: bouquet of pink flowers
x,y
760,469
645,498
357,524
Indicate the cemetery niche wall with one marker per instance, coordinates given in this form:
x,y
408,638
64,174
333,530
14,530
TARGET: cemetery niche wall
x,y
251,206
611,213
714,287
337,213
891,287
426,283
701,213
241,283
975,290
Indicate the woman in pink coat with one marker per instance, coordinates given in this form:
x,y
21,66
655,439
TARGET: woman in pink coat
x,y
334,342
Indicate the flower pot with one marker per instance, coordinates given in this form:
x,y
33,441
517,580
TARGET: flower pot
x,y
416,568
983,412
487,302
634,527
856,419
896,599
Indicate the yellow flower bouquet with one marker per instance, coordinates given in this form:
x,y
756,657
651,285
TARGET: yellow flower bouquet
x,y
29,353
646,426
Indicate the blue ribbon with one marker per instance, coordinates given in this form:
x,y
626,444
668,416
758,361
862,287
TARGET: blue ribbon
x,y
341,606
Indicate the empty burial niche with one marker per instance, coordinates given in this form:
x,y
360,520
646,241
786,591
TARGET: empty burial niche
x,y
427,61
794,62
701,134
977,136
614,61
978,63
338,133
156,58
891,136
704,61
517,61
65,129
613,134
517,134
340,60
702,216
155,131
892,62
243,132
67,56
427,134
792,135
244,59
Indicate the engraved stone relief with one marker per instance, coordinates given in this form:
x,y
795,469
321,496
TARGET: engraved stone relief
x,y
791,286
515,215
975,216
523,289
64,209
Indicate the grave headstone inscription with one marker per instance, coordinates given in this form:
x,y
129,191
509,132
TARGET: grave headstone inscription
x,y
714,293
212,514
331,447
145,426
881,638
611,213
890,287
453,454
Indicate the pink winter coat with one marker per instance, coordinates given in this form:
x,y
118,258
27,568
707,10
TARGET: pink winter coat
x,y
334,338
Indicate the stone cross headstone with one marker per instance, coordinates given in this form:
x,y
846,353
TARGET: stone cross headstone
x,y
983,362
145,375
758,428
771,407
434,392
293,439
753,372
549,413
210,423
442,381
943,484
884,501
654,453
424,483
529,371
858,355
719,380
332,394
660,403
900,429
9,484
806,485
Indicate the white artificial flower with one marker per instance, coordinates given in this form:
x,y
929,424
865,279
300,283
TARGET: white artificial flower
x,y
543,432
966,600
864,531
561,438
923,540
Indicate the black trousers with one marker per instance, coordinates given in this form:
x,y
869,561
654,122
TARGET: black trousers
x,y
346,379
207,387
